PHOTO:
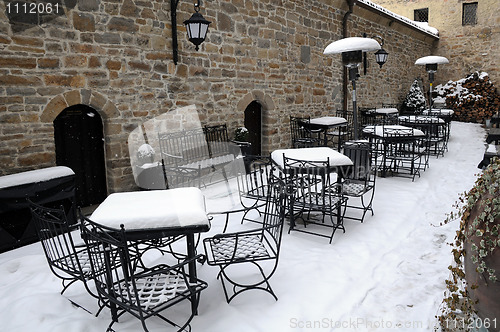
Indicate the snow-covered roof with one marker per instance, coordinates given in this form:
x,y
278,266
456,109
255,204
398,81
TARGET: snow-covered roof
x,y
422,26
352,44
431,59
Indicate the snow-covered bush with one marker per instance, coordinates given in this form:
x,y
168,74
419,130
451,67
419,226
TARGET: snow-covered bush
x,y
414,101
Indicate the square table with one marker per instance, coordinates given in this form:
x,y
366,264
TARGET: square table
x,y
325,123
388,133
156,214
337,162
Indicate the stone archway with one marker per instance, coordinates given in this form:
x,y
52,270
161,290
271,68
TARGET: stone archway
x,y
106,109
268,121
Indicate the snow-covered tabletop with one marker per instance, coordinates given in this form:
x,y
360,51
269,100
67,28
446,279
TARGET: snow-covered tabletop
x,y
438,111
35,176
336,159
173,208
420,118
382,131
328,121
385,110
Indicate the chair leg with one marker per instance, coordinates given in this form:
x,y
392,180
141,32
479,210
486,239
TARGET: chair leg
x,y
238,288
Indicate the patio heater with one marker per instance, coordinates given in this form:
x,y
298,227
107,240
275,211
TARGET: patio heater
x,y
196,26
352,49
431,64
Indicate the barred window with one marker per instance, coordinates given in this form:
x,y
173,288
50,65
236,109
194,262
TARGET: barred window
x,y
421,15
469,13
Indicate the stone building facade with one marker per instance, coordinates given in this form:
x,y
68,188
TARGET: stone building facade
x,y
116,58
469,46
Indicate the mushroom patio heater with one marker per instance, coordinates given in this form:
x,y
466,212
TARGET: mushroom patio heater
x,y
352,49
431,64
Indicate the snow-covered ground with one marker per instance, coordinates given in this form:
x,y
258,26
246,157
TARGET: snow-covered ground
x,y
386,273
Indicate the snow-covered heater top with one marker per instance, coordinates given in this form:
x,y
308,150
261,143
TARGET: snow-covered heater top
x,y
352,44
432,59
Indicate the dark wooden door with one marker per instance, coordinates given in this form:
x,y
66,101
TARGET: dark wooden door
x,y
253,123
79,140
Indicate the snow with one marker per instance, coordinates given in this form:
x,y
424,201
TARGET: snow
x,y
35,176
352,44
431,59
146,209
328,120
381,131
423,26
314,154
456,88
386,271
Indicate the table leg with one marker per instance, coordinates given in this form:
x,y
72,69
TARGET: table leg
x,y
191,252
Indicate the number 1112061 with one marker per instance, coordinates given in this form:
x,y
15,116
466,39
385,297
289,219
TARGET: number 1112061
x,y
33,8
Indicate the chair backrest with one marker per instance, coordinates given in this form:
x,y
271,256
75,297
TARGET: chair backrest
x,y
360,152
297,129
54,232
217,140
307,182
111,264
253,183
274,213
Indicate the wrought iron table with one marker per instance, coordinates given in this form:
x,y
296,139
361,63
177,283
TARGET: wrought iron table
x,y
326,123
314,159
388,134
148,215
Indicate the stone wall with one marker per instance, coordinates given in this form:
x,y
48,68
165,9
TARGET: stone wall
x,y
469,48
116,57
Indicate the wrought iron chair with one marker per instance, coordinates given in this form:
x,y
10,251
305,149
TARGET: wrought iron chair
x,y
66,260
310,189
406,154
253,184
359,181
303,137
144,292
338,135
257,247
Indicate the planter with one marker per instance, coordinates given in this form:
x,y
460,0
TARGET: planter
x,y
484,292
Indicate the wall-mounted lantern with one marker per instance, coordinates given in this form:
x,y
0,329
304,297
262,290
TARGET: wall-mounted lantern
x,y
431,64
352,49
196,26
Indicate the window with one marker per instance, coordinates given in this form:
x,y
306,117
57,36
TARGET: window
x,y
421,15
469,13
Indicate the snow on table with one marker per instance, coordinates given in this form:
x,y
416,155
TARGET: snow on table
x,y
437,111
35,176
318,154
420,118
328,121
385,110
179,207
382,131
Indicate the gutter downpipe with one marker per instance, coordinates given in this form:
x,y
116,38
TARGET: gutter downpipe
x,y
345,82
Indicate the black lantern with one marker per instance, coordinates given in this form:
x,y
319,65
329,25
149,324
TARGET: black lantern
x,y
381,57
197,27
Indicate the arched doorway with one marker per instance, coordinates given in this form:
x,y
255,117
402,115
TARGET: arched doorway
x,y
79,142
253,122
